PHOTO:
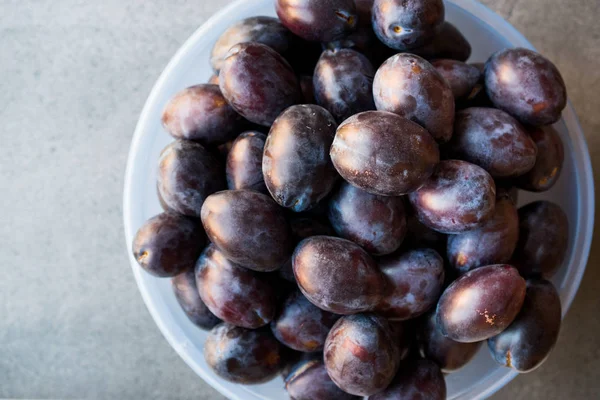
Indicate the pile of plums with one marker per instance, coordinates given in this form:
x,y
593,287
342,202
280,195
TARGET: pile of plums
x,y
340,202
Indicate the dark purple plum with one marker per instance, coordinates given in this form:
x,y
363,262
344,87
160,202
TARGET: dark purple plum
x,y
461,77
449,355
549,161
447,43
258,82
407,24
186,293
296,165
361,355
528,341
543,239
187,175
308,89
244,162
411,87
249,228
168,244
294,358
241,355
202,114
415,281
318,20
309,380
493,140
302,326
421,379
459,197
377,223
265,30
383,153
235,294
162,202
526,85
481,304
343,83
337,275
493,243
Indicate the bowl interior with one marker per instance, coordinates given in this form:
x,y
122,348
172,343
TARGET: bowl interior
x,y
487,33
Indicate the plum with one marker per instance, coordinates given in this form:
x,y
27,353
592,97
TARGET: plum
x,y
249,228
459,197
337,275
383,153
481,304
526,85
244,162
168,244
377,223
360,354
296,165
549,161
234,294
186,293
411,87
241,355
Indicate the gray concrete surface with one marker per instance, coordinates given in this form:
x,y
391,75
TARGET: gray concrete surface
x,y
74,76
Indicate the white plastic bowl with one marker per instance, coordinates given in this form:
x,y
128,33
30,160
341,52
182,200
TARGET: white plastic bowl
x,y
487,33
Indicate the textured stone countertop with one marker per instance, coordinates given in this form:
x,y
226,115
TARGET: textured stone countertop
x,y
74,76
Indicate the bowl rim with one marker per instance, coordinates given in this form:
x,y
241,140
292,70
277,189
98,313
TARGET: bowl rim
x,y
175,335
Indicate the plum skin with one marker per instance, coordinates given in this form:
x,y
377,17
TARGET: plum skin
x,y
242,355
234,294
416,281
458,197
309,380
244,162
377,223
301,325
526,85
481,303
326,270
360,354
168,244
296,165
528,341
186,293
411,87
383,153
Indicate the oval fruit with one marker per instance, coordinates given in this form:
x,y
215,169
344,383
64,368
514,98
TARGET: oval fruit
x,y
461,77
493,140
383,153
543,239
421,379
309,381
492,243
249,228
258,82
168,244
301,325
416,280
242,355
360,354
186,293
337,275
244,162
459,197
481,303
376,223
411,87
202,114
187,175
235,294
296,164
526,85
528,341
549,161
